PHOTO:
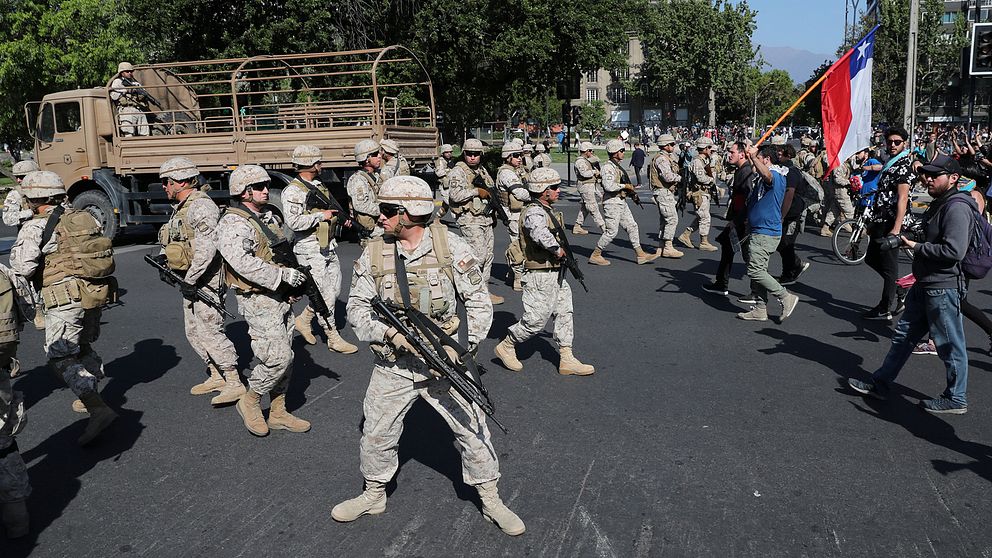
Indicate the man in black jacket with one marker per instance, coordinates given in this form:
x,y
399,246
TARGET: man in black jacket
x,y
934,303
733,237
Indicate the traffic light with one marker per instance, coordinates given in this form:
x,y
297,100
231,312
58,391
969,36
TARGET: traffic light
x,y
576,115
981,49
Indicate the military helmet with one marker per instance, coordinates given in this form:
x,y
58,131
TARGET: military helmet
x,y
704,142
585,146
125,67
472,144
411,192
541,179
245,176
306,156
653,149
613,146
509,148
21,168
365,149
528,147
808,142
41,185
778,139
445,148
666,139
178,168
390,146
540,148
517,141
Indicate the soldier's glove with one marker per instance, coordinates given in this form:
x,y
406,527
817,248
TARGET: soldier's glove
x,y
292,277
453,355
399,341
483,193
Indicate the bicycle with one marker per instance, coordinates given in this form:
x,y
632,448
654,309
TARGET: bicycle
x,y
850,239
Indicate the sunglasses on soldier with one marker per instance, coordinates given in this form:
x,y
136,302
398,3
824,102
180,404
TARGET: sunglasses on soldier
x,y
473,153
390,209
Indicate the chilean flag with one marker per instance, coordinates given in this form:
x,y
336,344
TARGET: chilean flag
x,y
847,102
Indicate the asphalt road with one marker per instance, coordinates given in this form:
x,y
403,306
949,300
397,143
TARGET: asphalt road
x,y
699,435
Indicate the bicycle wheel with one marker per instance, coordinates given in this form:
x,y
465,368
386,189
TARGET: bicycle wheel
x,y
850,242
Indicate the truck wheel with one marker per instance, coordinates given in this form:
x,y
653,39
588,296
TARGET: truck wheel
x,y
98,205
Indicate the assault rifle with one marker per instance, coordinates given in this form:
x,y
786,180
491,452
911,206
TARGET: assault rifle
x,y
496,208
628,187
205,295
140,92
429,341
568,262
317,200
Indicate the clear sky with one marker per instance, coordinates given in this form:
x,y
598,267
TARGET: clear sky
x,y
813,25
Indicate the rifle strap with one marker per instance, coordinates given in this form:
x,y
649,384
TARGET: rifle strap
x,y
273,239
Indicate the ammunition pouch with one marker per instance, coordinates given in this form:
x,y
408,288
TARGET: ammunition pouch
x,y
515,254
365,220
179,255
89,293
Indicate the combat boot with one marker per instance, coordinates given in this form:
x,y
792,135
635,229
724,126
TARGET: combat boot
x,y
495,299
644,257
337,343
39,320
516,282
15,519
670,251
506,352
304,325
686,238
280,419
597,258
78,407
704,245
496,511
233,389
250,409
370,502
825,231
100,416
578,230
570,366
214,383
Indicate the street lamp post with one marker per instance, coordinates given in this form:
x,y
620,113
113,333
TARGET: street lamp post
x,y
754,120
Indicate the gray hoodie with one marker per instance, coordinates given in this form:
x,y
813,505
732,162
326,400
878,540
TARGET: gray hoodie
x,y
948,227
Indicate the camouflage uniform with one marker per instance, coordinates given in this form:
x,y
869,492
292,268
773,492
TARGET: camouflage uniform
x,y
397,165
700,195
513,193
362,187
130,115
442,166
839,205
663,175
15,486
587,177
15,209
474,221
617,212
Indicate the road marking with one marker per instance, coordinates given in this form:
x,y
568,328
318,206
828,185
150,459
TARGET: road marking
x,y
603,547
575,506
328,390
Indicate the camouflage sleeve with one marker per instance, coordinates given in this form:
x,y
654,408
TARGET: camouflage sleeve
x,y
26,254
510,181
117,89
664,166
441,167
583,169
13,215
360,315
362,197
404,167
459,190
699,170
237,242
842,175
472,289
536,228
294,207
202,217
610,177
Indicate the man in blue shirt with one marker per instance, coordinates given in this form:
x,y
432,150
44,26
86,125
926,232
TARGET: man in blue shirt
x,y
764,220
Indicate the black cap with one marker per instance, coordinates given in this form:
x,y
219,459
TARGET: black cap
x,y
941,164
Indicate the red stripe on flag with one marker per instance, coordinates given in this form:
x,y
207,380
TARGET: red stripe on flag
x,y
836,108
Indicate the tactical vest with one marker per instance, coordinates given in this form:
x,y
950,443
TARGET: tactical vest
x,y
177,235
81,268
536,256
8,312
368,221
587,181
654,177
323,229
263,252
426,289
475,205
509,200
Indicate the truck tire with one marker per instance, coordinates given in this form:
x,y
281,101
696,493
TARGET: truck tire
x,y
98,205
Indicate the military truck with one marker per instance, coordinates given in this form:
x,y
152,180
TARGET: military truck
x,y
225,113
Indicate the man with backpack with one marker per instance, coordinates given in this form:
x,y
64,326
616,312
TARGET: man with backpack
x,y
934,302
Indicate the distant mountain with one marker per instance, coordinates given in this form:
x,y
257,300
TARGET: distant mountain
x,y
799,63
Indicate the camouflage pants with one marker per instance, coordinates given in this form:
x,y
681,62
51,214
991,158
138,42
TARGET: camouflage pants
x,y
70,333
840,202
326,271
588,205
387,401
480,239
542,299
205,333
618,216
667,212
701,201
270,326
513,228
133,121
14,482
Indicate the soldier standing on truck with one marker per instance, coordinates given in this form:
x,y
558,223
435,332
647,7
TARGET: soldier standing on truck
x,y
314,244
130,106
363,185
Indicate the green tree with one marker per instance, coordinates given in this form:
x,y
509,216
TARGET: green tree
x,y
593,116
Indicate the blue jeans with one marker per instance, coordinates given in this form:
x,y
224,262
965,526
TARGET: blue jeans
x,y
937,311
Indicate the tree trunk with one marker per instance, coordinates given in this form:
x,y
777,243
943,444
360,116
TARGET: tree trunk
x,y
712,108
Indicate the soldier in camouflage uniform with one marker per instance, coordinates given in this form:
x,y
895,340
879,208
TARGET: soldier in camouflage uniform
x,y
130,107
839,206
616,189
393,164
664,177
471,206
72,262
15,486
442,165
513,194
699,194
314,244
364,183
247,233
527,160
587,178
542,159
546,292
189,242
440,266
15,206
